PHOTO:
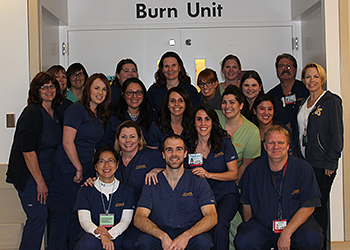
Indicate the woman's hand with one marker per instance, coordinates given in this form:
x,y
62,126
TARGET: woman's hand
x,y
151,176
201,172
78,176
102,231
89,182
328,172
107,244
42,192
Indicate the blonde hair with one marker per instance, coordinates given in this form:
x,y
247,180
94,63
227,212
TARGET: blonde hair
x,y
129,124
277,128
320,70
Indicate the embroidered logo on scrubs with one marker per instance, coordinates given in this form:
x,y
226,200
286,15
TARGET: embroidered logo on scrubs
x,y
237,145
140,167
119,205
218,154
296,192
187,194
318,111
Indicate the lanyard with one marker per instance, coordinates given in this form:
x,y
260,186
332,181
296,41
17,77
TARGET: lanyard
x,y
280,190
130,169
110,197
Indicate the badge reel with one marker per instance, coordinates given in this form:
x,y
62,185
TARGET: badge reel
x,y
279,225
195,160
290,99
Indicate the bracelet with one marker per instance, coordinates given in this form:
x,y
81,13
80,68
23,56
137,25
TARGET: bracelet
x,y
79,170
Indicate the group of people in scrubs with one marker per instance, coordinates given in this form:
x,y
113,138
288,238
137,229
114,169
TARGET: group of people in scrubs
x,y
80,129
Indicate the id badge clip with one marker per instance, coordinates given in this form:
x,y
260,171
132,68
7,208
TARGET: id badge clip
x,y
278,225
195,160
106,220
290,99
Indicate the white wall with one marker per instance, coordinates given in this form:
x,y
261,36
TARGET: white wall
x,y
14,65
58,8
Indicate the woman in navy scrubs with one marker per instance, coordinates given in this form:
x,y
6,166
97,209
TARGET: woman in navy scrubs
x,y
38,133
83,128
171,73
76,79
174,117
126,68
133,104
212,155
108,197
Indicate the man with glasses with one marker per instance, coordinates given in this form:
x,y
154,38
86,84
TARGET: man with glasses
x,y
290,92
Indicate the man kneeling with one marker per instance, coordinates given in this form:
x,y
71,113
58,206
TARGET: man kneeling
x,y
279,194
177,211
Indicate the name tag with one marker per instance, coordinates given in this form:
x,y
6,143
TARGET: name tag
x,y
290,99
279,225
106,220
195,160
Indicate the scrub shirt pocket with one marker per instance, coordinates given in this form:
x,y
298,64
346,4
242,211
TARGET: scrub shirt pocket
x,y
295,202
188,205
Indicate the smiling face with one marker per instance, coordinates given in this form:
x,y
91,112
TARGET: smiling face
x,y
98,92
276,146
129,140
174,153
230,107
312,80
61,77
264,113
128,71
231,70
171,68
77,79
203,123
133,95
47,92
251,88
286,70
208,88
106,166
176,104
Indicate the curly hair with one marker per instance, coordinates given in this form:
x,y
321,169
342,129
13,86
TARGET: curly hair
x,y
103,108
217,133
38,81
146,112
159,75
164,115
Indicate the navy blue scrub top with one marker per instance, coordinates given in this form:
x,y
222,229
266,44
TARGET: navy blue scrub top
x,y
179,208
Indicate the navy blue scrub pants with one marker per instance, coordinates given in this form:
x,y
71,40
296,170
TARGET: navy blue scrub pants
x,y
130,237
253,235
90,242
33,230
201,241
226,209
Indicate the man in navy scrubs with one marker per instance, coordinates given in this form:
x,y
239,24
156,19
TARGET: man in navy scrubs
x,y
279,195
177,212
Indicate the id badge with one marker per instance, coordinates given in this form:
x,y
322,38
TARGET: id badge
x,y
106,220
290,99
279,225
195,160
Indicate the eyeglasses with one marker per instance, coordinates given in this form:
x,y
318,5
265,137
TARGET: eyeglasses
x,y
284,66
110,161
209,84
46,88
80,74
131,93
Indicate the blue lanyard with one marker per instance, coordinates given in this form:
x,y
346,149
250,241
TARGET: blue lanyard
x,y
280,190
110,197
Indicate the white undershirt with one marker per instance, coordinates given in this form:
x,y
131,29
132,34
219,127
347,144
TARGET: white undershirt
x,y
303,120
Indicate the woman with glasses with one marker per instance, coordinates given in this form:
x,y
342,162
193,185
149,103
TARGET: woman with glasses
x,y
126,68
171,73
38,134
104,210
83,128
76,78
174,117
208,81
133,104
